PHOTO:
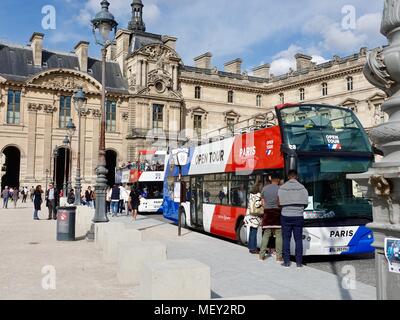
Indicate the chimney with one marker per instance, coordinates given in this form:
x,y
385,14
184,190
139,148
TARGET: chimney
x,y
303,61
111,51
203,61
170,42
122,39
81,50
234,66
37,47
262,71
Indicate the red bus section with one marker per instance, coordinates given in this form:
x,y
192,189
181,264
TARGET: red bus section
x,y
260,150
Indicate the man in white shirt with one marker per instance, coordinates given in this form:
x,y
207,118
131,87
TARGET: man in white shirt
x,y
51,202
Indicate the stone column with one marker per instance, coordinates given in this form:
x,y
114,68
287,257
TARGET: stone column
x,y
382,182
31,151
48,138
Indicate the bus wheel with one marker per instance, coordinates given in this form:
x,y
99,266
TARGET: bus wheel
x,y
241,234
183,219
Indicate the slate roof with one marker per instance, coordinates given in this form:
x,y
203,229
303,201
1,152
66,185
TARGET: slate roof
x,y
16,63
141,39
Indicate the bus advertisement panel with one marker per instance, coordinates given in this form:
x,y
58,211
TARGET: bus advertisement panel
x,y
324,143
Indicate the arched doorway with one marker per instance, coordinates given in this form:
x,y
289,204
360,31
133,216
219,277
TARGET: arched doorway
x,y
62,167
111,164
12,167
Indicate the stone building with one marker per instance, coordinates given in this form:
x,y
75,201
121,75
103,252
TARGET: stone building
x,y
154,100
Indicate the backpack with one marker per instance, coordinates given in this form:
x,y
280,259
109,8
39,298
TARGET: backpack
x,y
256,207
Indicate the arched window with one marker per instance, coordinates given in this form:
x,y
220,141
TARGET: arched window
x,y
281,98
350,85
197,92
302,92
324,89
230,96
258,101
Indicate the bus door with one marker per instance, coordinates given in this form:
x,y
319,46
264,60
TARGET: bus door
x,y
196,201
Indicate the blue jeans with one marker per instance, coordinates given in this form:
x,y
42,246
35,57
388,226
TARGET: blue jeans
x,y
35,214
292,225
114,207
253,239
5,202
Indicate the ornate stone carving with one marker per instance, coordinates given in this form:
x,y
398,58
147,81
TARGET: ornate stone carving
x,y
155,52
96,113
376,73
47,108
125,116
391,16
160,79
132,81
34,107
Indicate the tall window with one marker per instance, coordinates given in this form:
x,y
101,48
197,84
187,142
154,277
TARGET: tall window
x,y
258,101
158,116
13,107
230,96
231,125
65,111
302,94
281,98
111,116
379,114
197,126
197,92
324,89
350,84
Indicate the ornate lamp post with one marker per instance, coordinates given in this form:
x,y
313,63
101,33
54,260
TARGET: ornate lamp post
x,y
55,155
180,157
79,102
71,128
66,148
382,182
103,23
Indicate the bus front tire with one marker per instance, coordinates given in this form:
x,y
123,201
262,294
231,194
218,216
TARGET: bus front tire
x,y
241,233
183,219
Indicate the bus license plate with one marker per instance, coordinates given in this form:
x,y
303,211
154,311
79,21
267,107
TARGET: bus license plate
x,y
338,249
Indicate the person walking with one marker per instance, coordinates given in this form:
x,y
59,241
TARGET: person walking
x,y
108,200
52,197
253,217
271,222
32,193
37,202
24,194
134,201
15,197
115,197
89,197
71,197
6,196
293,198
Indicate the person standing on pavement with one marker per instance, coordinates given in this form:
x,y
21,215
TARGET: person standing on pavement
x,y
37,202
115,197
293,198
15,197
52,201
253,217
6,196
89,197
271,222
32,193
134,201
71,197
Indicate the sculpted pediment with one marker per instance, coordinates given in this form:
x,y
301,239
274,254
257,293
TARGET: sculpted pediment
x,y
156,52
68,80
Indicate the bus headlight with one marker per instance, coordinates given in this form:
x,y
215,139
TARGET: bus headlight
x,y
308,239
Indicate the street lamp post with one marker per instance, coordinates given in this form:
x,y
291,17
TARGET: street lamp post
x,y
55,154
79,101
47,176
66,148
181,157
103,23
71,128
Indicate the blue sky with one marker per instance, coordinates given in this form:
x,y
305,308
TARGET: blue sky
x,y
258,31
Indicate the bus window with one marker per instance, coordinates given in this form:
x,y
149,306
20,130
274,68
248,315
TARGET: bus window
x,y
215,189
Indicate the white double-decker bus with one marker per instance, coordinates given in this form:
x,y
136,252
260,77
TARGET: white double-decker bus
x,y
147,175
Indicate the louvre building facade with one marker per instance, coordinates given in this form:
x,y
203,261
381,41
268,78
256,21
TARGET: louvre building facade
x,y
154,100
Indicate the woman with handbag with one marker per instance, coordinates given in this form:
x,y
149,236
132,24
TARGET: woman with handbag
x,y
253,216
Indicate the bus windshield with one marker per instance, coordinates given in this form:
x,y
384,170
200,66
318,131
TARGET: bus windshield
x,y
323,128
331,195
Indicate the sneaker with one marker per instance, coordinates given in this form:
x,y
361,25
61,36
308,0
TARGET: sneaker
x,y
261,258
286,264
299,265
